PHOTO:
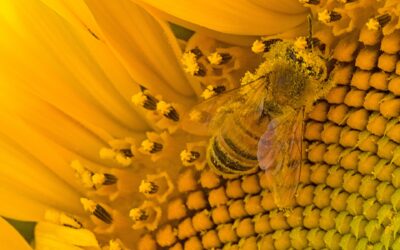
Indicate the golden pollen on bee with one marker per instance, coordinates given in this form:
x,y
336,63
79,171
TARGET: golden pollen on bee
x,y
145,99
189,156
328,16
97,210
168,111
301,43
138,214
148,187
151,147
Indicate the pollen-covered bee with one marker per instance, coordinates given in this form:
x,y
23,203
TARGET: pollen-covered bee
x,y
260,124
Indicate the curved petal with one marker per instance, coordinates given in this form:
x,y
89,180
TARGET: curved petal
x,y
34,169
146,48
67,73
77,13
19,206
63,96
51,236
240,17
240,40
10,238
283,6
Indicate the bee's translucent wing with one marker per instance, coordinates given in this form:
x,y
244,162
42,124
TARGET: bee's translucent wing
x,y
279,153
209,115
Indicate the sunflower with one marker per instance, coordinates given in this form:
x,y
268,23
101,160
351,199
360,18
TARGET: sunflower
x,y
92,148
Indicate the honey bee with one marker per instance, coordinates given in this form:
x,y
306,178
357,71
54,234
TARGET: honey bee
x,y
260,124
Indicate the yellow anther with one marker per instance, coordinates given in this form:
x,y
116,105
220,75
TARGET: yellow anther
x,y
98,179
314,2
138,214
61,219
107,153
115,245
324,16
147,145
327,16
90,179
86,178
144,99
151,147
373,24
77,166
148,216
139,99
215,58
96,210
123,160
301,43
187,156
168,111
208,92
88,205
148,187
157,186
196,116
164,108
189,61
258,46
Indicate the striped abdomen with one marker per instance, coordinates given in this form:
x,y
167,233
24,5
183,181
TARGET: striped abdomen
x,y
233,149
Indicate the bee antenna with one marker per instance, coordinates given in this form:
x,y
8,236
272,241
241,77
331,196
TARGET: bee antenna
x,y
310,31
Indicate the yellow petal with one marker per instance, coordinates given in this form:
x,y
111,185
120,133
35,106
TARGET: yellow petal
x,y
35,169
77,13
51,236
283,6
241,17
63,96
10,239
148,53
224,37
19,206
60,66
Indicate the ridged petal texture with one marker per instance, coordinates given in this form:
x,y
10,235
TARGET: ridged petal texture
x,y
234,21
65,94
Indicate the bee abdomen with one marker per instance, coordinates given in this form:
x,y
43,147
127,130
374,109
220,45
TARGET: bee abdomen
x,y
227,157
223,162
238,151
